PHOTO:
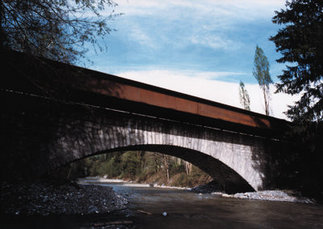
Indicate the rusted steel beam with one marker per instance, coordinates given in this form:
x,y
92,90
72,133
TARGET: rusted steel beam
x,y
73,83
154,98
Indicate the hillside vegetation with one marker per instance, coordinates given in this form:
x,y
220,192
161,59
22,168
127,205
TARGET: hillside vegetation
x,y
141,167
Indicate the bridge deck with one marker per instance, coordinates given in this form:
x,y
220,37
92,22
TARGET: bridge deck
x,y
61,81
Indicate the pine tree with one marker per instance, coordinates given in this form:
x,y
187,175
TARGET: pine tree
x,y
300,42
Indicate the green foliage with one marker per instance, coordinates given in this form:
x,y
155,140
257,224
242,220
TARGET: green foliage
x,y
110,167
130,164
196,177
244,96
261,73
55,29
301,46
261,68
145,167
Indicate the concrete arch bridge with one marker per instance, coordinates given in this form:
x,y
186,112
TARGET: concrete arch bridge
x,y
55,114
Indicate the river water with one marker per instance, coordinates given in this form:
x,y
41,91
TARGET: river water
x,y
172,208
152,207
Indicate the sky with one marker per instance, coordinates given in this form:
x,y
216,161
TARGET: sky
x,y
203,48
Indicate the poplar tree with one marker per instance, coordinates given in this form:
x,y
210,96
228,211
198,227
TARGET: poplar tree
x,y
261,73
244,96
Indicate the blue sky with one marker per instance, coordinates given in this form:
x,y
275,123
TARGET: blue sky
x,y
196,36
169,42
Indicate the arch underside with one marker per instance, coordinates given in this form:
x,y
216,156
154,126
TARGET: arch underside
x,y
230,180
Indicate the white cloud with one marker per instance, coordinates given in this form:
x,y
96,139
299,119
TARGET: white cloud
x,y
200,85
202,22
210,75
138,35
214,41
239,8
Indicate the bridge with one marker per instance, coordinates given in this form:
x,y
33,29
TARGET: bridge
x,y
54,114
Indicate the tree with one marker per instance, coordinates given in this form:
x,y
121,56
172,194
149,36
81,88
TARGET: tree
x,y
301,46
55,29
188,167
261,73
166,160
244,96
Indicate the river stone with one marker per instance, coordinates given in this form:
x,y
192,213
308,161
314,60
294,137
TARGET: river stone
x,y
92,209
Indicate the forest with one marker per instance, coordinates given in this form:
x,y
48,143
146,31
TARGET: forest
x,y
139,166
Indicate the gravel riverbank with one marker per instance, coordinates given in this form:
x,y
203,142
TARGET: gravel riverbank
x,y
68,199
77,199
269,195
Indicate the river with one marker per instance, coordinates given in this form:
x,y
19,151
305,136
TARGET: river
x,y
153,207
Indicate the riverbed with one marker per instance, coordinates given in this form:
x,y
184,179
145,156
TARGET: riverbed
x,y
162,207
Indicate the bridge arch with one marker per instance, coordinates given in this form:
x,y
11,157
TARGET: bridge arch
x,y
229,179
226,156
63,133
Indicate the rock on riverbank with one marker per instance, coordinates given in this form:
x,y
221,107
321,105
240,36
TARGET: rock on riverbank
x,y
210,187
270,195
67,199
